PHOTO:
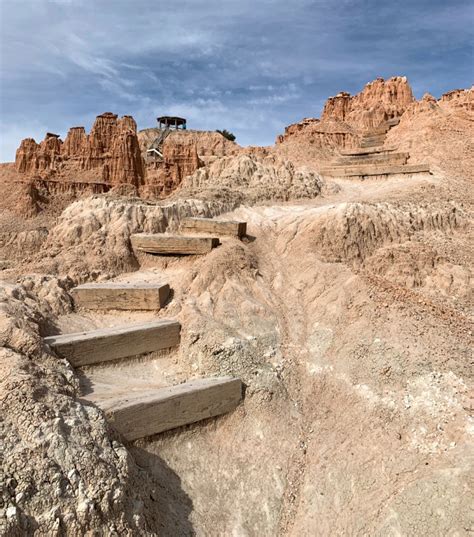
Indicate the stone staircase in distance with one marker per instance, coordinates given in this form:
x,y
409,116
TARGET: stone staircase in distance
x,y
149,410
372,158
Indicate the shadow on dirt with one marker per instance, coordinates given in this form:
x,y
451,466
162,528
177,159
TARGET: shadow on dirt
x,y
173,504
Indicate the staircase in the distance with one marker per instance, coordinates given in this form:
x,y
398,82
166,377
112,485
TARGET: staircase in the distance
x,y
372,158
155,150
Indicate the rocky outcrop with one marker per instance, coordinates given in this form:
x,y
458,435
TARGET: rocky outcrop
x,y
321,134
460,99
180,159
109,154
112,155
208,143
250,179
379,101
344,120
75,143
35,158
89,227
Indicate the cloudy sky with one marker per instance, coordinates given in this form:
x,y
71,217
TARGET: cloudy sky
x,y
249,66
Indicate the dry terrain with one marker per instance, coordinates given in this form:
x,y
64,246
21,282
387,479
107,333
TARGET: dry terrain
x,y
346,310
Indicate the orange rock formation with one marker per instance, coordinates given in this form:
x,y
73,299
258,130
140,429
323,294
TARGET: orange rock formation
x,y
109,157
379,101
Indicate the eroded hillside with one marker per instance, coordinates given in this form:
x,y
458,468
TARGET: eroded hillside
x,y
345,311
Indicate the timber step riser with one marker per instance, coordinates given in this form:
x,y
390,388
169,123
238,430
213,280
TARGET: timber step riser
x,y
216,227
366,168
376,172
379,150
367,145
169,408
121,296
377,159
106,344
173,244
378,138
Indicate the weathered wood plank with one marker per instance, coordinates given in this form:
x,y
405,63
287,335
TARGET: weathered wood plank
x,y
372,159
121,296
367,150
175,406
218,227
374,137
371,144
173,244
104,344
363,171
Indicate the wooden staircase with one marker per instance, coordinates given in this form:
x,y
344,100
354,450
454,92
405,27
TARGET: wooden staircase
x,y
372,158
155,149
156,407
197,240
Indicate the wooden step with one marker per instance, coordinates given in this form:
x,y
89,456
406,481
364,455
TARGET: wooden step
x,y
372,158
367,150
121,296
371,143
363,171
218,227
381,129
167,408
374,137
104,344
160,243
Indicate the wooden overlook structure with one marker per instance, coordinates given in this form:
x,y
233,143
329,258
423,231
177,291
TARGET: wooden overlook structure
x,y
166,124
171,122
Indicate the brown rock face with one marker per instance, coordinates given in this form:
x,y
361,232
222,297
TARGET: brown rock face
x,y
32,157
75,142
180,159
126,165
109,154
379,101
344,120
25,155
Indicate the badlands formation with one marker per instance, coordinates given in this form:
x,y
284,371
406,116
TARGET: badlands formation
x,y
303,371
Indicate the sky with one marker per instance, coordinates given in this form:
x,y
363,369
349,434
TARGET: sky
x,y
249,66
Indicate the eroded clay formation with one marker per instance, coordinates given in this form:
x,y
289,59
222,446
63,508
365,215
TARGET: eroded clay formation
x,y
108,157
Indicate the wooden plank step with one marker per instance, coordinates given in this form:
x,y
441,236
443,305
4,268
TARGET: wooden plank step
x,y
173,244
372,158
104,344
367,150
363,171
381,129
373,137
375,143
219,227
121,296
167,408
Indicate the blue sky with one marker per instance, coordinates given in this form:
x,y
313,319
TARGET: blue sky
x,y
249,66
